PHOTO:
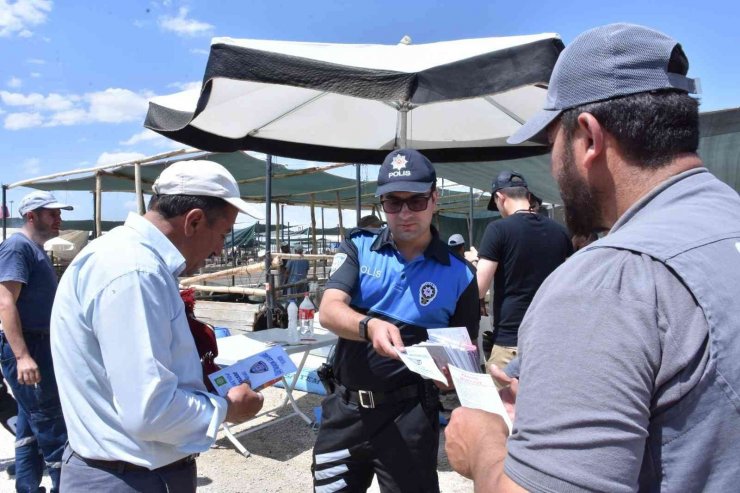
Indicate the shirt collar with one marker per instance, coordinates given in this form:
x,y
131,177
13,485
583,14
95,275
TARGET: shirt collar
x,y
162,246
647,198
436,248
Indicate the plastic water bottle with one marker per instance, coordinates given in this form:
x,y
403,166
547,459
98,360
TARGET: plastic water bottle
x,y
292,322
305,317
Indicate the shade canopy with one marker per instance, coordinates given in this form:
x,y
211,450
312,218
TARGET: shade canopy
x,y
293,187
453,100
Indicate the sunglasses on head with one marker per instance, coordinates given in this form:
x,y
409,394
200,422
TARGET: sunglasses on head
x,y
415,203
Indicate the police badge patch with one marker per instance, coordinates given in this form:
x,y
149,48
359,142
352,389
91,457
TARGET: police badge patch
x,y
337,262
259,367
427,292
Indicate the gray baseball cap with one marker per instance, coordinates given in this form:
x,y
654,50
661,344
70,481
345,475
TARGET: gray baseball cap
x,y
456,240
40,200
608,62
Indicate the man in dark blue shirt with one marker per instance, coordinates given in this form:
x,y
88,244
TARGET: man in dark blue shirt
x,y
386,287
27,287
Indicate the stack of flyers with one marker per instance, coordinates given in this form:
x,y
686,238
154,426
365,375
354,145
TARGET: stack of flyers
x,y
256,370
447,346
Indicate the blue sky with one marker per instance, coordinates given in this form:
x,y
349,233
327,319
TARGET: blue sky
x,y
75,76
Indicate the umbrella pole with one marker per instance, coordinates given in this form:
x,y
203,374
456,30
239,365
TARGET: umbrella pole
x,y
470,220
403,114
5,216
358,192
268,240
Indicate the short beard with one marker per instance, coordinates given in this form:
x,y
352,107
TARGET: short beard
x,y
581,202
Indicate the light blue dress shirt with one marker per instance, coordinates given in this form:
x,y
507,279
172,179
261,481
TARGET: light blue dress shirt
x,y
129,375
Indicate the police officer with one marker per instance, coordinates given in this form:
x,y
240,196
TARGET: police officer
x,y
387,286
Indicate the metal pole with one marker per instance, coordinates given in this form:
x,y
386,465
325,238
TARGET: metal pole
x,y
470,220
358,193
268,239
403,113
5,216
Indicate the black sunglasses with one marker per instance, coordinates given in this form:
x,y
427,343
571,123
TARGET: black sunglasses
x,y
415,203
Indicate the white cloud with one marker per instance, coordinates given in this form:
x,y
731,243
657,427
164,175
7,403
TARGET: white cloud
x,y
35,75
31,166
112,105
117,105
15,82
149,137
19,121
183,26
17,17
118,157
36,61
185,86
199,51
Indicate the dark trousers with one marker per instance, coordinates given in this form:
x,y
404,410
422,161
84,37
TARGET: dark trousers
x,y
40,424
397,441
80,477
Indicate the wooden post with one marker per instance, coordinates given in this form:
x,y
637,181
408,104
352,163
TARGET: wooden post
x,y
98,205
323,242
139,191
313,230
278,223
341,222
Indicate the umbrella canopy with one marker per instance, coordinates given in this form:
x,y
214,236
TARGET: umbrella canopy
x,y
58,245
453,100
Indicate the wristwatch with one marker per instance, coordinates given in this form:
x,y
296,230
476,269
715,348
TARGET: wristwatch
x,y
363,328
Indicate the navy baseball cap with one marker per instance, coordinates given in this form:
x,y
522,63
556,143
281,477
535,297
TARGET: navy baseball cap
x,y
507,179
405,170
605,63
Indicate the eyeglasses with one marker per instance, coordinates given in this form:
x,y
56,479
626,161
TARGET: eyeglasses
x,y
415,203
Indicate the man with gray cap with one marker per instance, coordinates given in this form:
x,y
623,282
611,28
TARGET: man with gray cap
x,y
386,287
27,286
630,373
517,253
130,379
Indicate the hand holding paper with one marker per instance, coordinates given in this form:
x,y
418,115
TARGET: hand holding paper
x,y
477,391
257,370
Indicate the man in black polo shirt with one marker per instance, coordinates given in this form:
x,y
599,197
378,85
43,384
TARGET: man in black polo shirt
x,y
387,286
518,252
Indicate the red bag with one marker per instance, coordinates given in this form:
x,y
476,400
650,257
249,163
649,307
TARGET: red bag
x,y
204,337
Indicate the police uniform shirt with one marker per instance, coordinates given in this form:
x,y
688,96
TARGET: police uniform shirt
x,y
436,289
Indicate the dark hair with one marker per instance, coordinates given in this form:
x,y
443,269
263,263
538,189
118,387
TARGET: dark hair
x,y
370,221
170,206
515,192
651,128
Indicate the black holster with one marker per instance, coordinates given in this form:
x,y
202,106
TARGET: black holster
x,y
326,375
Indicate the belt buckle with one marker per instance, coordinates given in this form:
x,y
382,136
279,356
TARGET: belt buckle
x,y
366,395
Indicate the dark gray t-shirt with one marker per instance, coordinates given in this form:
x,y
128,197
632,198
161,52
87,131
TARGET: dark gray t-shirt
x,y
611,340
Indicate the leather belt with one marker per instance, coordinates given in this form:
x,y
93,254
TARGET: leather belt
x,y
370,399
122,466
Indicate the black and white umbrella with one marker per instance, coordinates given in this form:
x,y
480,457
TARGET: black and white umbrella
x,y
453,100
